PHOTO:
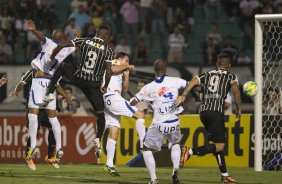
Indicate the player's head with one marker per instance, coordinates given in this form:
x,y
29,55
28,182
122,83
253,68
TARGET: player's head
x,y
160,67
122,57
141,84
68,91
103,32
223,61
58,36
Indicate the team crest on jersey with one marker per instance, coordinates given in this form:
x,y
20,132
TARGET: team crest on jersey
x,y
162,91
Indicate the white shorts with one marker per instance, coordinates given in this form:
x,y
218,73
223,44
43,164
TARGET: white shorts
x,y
118,105
111,119
158,132
37,93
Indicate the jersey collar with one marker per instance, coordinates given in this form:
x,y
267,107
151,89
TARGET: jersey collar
x,y
160,79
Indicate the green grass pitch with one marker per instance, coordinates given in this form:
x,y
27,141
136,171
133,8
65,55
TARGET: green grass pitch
x,y
72,174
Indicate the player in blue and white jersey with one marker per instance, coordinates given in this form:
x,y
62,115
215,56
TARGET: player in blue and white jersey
x,y
162,94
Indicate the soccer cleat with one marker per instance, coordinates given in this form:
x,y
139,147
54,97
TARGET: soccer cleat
x,y
184,156
52,162
227,179
175,179
111,170
58,155
97,147
47,99
30,164
154,182
31,153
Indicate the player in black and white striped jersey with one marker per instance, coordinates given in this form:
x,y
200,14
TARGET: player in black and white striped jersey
x,y
95,60
215,84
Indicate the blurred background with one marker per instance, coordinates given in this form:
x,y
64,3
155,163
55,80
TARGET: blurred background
x,y
187,33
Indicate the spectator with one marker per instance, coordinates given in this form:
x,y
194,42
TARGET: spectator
x,y
214,35
130,15
230,49
75,108
6,52
211,5
69,29
141,52
76,3
145,12
176,43
272,104
209,51
123,46
81,17
243,58
110,15
97,19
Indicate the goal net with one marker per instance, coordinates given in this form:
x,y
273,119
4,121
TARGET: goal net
x,y
268,101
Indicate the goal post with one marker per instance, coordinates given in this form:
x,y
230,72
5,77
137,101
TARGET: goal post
x,y
268,74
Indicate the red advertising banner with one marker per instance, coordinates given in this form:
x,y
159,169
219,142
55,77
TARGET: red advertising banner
x,y
77,136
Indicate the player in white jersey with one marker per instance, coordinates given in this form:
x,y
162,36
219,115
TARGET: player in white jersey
x,y
44,71
116,106
162,93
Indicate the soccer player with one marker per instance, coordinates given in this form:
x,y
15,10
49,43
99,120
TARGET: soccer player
x,y
3,81
116,106
216,84
96,57
44,71
162,93
42,119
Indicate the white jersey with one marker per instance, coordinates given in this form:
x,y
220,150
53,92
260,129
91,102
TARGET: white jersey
x,y
115,85
162,94
43,61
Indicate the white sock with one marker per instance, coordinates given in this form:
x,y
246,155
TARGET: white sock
x,y
175,156
224,174
150,164
110,147
190,151
57,132
32,130
141,130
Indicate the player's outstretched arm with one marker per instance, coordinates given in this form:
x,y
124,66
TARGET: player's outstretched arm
x,y
107,76
31,27
192,83
237,98
121,68
125,80
26,78
59,47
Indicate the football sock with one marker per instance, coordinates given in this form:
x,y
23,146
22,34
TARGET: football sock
x,y
203,150
100,125
110,147
56,131
33,125
150,164
51,144
27,146
141,131
175,156
221,162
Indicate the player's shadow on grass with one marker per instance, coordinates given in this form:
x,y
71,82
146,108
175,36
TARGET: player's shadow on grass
x,y
109,181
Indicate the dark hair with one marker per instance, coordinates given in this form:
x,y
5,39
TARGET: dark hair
x,y
121,55
68,88
142,81
160,65
104,27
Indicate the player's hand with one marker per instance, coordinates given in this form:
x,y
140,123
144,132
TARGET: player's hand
x,y
126,73
104,89
130,67
30,25
238,115
76,33
3,80
180,99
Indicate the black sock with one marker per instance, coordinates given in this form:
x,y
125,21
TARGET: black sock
x,y
203,150
51,144
100,124
221,161
55,79
27,145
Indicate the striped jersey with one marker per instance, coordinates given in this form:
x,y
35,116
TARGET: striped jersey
x,y
162,94
215,86
94,52
43,61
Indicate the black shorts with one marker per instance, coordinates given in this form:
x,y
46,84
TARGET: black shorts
x,y
92,90
42,119
214,124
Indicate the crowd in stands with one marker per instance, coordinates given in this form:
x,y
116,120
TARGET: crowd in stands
x,y
137,26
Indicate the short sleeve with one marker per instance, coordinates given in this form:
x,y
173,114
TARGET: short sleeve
x,y
234,79
228,98
201,78
181,83
141,95
109,55
46,43
77,42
